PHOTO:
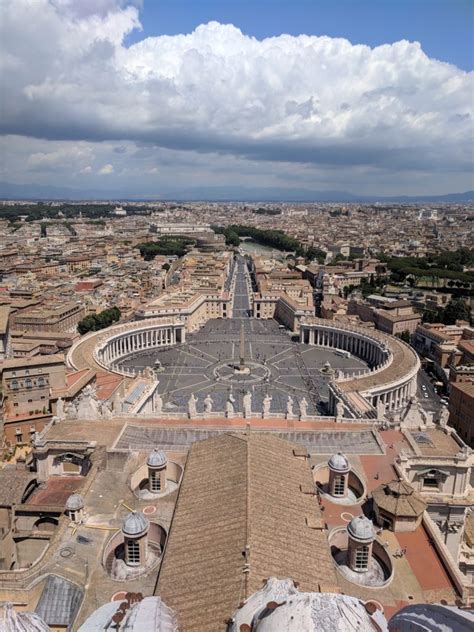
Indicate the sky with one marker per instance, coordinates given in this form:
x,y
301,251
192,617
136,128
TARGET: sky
x,y
151,98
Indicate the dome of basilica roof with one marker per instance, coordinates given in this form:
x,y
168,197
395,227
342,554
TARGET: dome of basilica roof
x,y
280,606
150,614
13,621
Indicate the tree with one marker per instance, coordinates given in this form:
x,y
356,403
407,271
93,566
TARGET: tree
x,y
95,322
456,309
405,336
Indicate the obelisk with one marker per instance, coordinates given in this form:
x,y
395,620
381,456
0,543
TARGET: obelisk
x,y
242,347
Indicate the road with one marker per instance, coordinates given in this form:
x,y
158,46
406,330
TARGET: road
x,y
432,403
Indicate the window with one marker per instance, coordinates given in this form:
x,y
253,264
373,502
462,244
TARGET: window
x,y
19,438
432,483
339,486
155,482
28,383
362,558
133,550
41,381
14,385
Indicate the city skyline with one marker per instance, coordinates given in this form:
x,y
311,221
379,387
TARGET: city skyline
x,y
100,101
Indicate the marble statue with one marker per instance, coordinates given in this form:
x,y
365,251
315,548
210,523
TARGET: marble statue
x,y
303,408
60,408
229,406
289,407
158,404
105,411
192,406
380,410
415,414
444,416
88,407
208,402
267,400
247,402
339,409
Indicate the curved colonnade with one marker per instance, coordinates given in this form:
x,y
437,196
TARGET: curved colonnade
x,y
386,386
389,383
106,347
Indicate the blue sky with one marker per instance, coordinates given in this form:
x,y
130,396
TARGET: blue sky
x,y
152,98
443,27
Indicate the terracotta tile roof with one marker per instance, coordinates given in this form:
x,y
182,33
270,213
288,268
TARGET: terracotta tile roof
x,y
241,492
13,484
399,499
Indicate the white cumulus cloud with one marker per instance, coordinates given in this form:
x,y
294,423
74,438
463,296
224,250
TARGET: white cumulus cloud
x,y
106,170
305,99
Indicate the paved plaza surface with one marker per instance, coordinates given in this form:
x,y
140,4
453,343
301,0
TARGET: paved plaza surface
x,y
209,360
316,441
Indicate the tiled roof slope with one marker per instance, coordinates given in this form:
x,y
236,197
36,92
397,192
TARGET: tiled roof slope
x,y
238,491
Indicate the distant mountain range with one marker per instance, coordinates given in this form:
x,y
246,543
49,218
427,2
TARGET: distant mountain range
x,y
235,194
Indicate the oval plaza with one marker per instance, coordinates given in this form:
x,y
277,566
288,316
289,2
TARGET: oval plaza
x,y
195,344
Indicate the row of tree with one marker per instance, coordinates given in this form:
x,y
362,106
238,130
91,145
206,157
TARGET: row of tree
x,y
273,238
448,266
167,245
34,212
95,322
456,309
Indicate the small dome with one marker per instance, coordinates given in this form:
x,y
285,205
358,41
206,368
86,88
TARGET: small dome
x,y
13,621
135,523
157,458
339,462
361,528
74,502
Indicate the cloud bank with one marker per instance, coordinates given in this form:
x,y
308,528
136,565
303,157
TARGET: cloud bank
x,y
302,100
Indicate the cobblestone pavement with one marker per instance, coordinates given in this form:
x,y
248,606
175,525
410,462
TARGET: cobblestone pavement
x,y
278,365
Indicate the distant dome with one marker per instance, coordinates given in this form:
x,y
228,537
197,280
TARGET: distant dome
x,y
361,528
13,621
157,458
339,462
135,523
75,502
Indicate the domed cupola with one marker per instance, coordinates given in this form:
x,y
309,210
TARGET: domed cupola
x,y
339,468
135,524
339,463
157,459
75,507
361,538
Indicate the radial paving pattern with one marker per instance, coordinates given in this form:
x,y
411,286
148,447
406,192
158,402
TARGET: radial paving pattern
x,y
207,363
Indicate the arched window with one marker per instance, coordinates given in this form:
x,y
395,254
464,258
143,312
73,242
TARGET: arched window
x,y
14,385
41,381
362,558
155,482
28,383
133,552
339,485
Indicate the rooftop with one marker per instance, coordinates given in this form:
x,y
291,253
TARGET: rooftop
x,y
242,515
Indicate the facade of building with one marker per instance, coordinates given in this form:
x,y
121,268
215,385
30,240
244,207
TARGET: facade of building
x,y
461,409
